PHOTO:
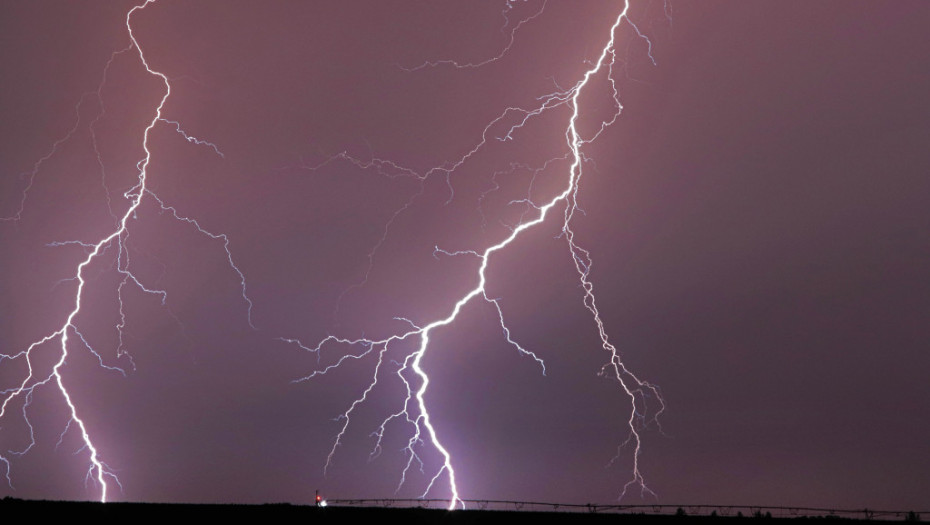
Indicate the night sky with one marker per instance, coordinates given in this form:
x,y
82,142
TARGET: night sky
x,y
757,218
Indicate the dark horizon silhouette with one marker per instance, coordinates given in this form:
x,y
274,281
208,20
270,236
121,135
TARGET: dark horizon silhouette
x,y
429,512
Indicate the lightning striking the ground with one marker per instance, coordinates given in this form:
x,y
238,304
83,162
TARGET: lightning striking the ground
x,y
413,408
61,342
111,251
447,250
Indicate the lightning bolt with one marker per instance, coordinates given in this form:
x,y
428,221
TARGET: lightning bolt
x,y
413,408
116,240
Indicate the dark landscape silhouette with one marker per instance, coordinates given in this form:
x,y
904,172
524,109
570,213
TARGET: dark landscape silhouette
x,y
430,511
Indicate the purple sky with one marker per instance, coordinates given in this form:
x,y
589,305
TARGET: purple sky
x,y
757,219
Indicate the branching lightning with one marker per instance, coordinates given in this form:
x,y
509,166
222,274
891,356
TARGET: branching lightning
x,y
60,341
413,408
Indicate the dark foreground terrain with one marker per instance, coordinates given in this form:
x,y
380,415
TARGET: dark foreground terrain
x,y
286,513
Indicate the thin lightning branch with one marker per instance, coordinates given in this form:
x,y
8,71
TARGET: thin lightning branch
x,y
641,35
31,175
192,139
374,250
511,36
414,408
225,239
386,168
93,133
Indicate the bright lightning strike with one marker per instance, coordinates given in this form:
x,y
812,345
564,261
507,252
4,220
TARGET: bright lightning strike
x,y
413,409
61,342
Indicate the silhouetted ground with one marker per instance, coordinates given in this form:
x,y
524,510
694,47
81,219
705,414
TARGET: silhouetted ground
x,y
285,513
